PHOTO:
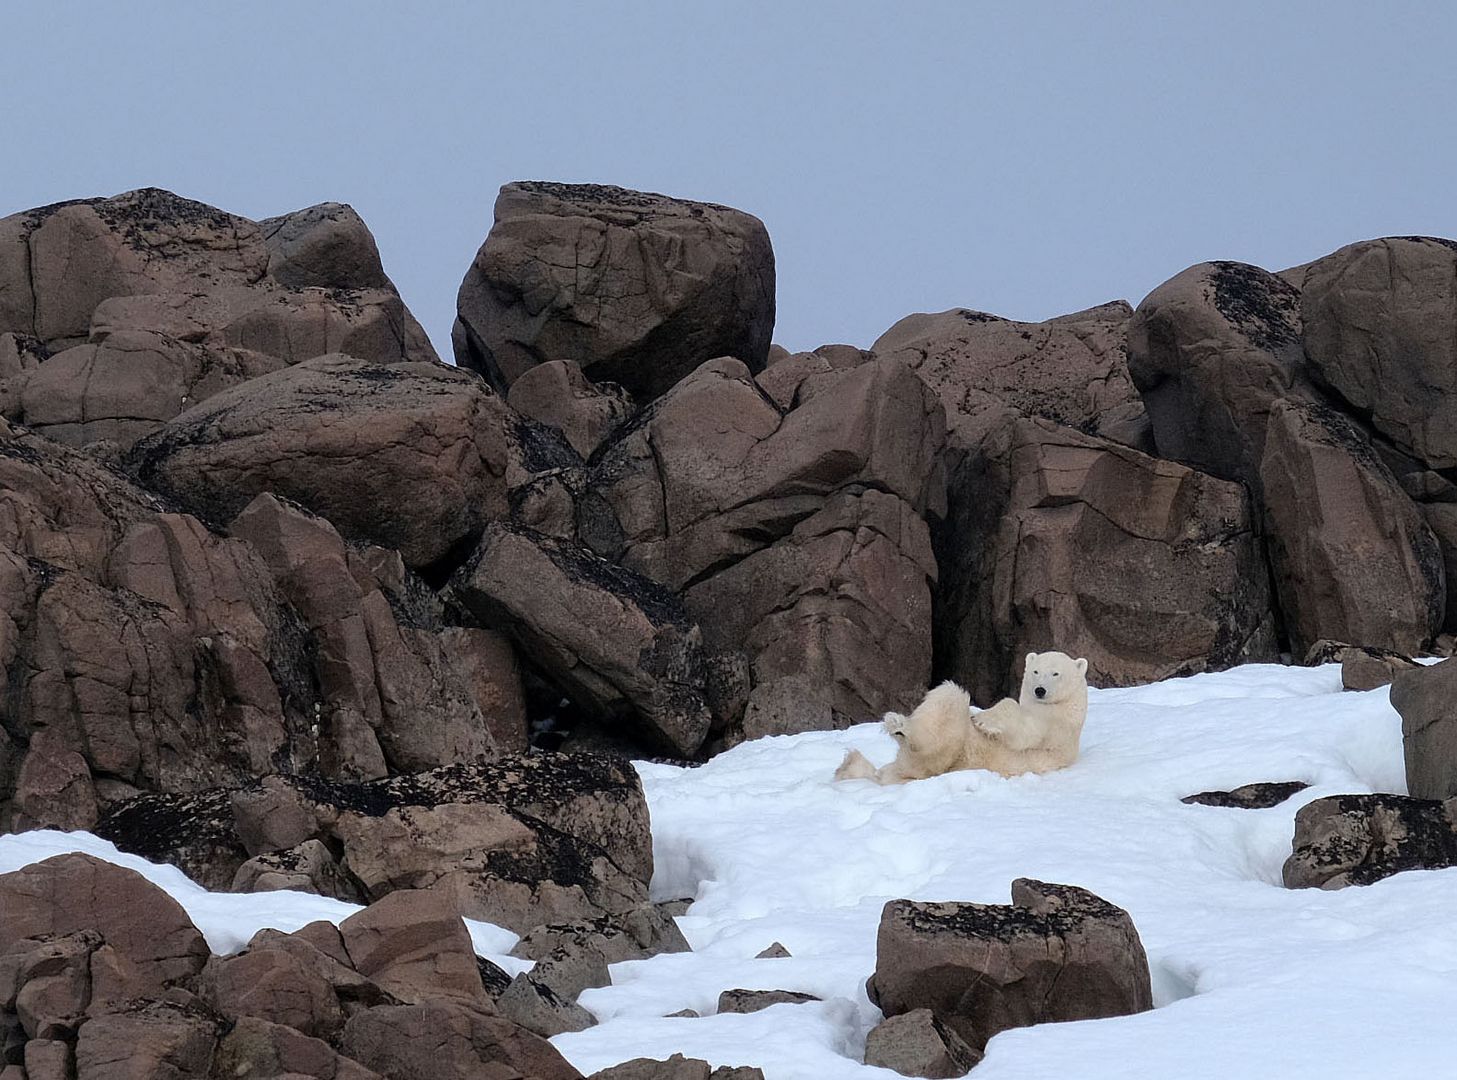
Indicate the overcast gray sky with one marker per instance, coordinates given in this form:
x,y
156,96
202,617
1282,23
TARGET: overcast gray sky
x,y
1023,158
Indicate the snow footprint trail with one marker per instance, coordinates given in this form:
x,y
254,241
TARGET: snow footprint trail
x,y
773,851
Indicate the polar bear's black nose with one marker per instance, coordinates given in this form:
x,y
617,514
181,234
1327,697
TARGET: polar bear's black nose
x,y
1041,691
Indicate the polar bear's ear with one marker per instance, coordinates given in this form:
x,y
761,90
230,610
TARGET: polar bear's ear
x,y
1030,657
1082,665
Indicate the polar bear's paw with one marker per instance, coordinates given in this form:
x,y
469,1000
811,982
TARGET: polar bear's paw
x,y
895,724
987,727
855,767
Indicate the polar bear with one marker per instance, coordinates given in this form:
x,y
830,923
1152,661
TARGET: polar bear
x,y
1038,732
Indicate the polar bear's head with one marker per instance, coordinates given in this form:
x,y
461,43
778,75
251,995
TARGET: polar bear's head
x,y
1053,677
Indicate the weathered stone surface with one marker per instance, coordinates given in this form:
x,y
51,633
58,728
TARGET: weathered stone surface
x,y
448,1041
309,867
1146,567
1442,520
1258,796
539,1008
1353,558
255,1049
620,644
775,951
414,946
1359,839
521,841
143,926
676,1067
638,289
1381,331
917,1044
1362,667
1211,351
557,394
748,1001
1426,698
147,1040
1072,370
413,457
59,263
1056,953
632,935
275,986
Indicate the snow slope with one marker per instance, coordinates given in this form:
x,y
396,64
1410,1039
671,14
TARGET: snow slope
x,y
1250,979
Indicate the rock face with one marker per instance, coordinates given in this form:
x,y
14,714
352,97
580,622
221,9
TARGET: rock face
x,y
409,456
1057,953
521,842
1381,332
1146,567
1425,698
1359,839
797,539
621,644
917,1044
1071,370
95,958
154,655
1356,562
150,302
1260,796
557,394
637,289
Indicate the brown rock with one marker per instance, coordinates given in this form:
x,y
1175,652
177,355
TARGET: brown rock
x,y
1380,331
676,1067
1353,559
639,289
255,1049
1072,370
1426,698
633,935
1442,520
487,661
414,946
1359,839
1259,796
557,394
620,644
48,1059
1211,351
748,1001
1057,953
147,930
539,1008
272,985
917,1044
448,1041
307,867
1146,567
407,456
46,983
147,1040
776,951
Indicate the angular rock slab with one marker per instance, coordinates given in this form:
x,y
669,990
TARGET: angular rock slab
x,y
1146,567
917,1044
636,288
1359,839
1426,698
413,457
620,644
1352,556
1056,953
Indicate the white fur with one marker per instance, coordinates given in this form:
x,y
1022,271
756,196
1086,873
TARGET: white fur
x,y
1031,734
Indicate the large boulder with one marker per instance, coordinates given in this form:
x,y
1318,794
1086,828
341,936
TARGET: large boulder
x,y
443,1040
1352,557
1381,332
521,842
1056,953
407,456
1146,567
150,302
619,643
1426,698
1359,839
1072,370
637,289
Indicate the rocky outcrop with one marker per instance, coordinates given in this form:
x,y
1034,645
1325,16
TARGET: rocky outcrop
x,y
1381,333
676,1067
151,654
638,289
1056,953
150,302
1146,567
620,644
1359,839
1424,697
521,842
1353,558
414,457
557,394
103,974
1071,370
1258,796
